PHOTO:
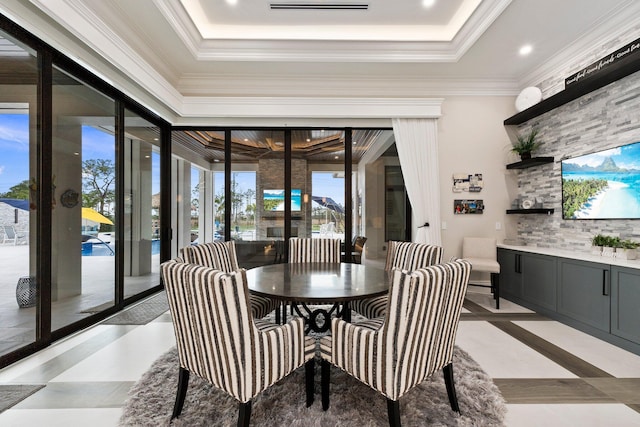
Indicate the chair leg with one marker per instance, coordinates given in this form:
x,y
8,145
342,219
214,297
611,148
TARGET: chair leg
x,y
244,414
183,383
309,371
495,285
393,411
325,379
278,314
451,388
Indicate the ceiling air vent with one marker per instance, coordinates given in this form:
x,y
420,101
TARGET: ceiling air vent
x,y
322,6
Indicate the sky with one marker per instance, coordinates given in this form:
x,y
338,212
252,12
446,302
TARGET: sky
x,y
14,150
14,160
626,156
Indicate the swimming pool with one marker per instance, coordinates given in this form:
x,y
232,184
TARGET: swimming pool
x,y
99,248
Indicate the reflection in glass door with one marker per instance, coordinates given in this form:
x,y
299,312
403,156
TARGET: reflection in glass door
x,y
321,154
397,219
141,205
257,196
83,217
18,281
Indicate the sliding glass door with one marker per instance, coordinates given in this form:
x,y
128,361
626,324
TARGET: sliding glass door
x,y
84,183
141,157
18,210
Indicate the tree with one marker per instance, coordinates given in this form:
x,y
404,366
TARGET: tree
x,y
98,176
18,191
195,197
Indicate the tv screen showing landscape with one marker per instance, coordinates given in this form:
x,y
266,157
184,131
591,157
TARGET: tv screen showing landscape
x,y
273,200
602,185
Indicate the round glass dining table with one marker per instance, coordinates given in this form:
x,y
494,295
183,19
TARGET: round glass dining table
x,y
334,284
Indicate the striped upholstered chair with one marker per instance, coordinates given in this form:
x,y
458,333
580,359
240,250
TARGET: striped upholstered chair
x,y
415,338
303,250
307,250
222,256
405,256
219,340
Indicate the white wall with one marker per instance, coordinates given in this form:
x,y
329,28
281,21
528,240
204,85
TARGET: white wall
x,y
472,139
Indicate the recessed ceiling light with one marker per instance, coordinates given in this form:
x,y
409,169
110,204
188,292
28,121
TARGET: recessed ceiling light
x,y
428,3
232,2
525,50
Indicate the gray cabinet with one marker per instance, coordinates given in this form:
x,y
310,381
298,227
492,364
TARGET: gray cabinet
x,y
625,303
539,280
583,292
528,279
510,273
600,299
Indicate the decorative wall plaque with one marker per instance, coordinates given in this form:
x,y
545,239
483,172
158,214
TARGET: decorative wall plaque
x,y
69,198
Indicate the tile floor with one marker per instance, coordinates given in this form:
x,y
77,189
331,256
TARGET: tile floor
x,y
550,374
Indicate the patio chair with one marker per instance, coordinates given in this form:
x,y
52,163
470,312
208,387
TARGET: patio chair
x,y
414,339
10,235
219,340
405,256
358,247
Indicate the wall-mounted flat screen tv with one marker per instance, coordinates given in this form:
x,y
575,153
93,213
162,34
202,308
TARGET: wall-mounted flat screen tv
x,y
602,185
273,200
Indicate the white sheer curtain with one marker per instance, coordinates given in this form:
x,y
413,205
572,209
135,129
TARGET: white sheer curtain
x,y
417,144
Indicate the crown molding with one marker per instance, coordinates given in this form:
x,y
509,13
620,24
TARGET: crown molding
x,y
330,50
612,26
311,107
354,86
115,61
257,122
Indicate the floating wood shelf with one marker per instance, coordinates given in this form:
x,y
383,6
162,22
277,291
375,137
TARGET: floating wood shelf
x,y
530,211
534,161
614,72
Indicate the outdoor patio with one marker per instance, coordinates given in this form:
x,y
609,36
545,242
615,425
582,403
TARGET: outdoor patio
x,y
17,325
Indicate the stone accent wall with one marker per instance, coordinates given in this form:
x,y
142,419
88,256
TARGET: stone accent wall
x,y
602,119
555,84
271,176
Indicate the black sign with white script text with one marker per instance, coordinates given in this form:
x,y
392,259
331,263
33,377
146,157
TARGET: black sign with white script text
x,y
624,53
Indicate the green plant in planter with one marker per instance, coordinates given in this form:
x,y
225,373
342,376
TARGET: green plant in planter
x,y
526,144
626,249
628,244
599,240
612,242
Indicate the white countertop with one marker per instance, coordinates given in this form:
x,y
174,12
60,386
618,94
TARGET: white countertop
x,y
578,254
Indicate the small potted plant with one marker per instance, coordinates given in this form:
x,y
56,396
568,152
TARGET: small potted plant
x,y
626,249
610,244
597,242
526,144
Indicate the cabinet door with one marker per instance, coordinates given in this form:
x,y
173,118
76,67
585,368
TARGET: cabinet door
x,y
583,292
539,280
510,277
625,303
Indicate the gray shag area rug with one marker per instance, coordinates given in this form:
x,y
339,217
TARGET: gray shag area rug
x,y
353,404
12,394
142,313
